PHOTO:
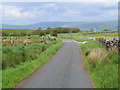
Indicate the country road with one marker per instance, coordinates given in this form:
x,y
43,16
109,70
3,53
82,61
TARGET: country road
x,y
64,70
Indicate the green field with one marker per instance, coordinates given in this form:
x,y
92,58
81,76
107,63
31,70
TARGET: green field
x,y
81,34
19,61
14,30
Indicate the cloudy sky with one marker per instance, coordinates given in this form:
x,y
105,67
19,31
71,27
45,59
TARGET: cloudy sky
x,y
21,13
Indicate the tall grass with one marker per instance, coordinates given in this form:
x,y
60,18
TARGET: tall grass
x,y
97,56
105,73
13,55
12,76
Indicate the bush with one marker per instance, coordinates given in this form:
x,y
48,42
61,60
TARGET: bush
x,y
53,32
105,30
41,33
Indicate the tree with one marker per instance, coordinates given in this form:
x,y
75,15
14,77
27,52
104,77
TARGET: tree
x,y
11,34
4,34
41,33
23,34
39,28
105,30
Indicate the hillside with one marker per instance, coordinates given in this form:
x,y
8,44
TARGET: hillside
x,y
112,25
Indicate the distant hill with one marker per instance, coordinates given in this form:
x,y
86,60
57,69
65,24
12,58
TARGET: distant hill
x,y
111,25
36,25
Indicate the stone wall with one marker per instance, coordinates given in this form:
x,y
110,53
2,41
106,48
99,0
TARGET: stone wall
x,y
111,43
99,32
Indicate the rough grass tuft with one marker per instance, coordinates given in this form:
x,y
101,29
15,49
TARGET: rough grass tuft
x,y
97,55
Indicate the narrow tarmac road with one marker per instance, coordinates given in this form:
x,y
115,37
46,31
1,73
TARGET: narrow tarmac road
x,y
64,70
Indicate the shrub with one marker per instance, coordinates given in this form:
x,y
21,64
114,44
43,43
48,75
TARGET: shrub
x,y
105,30
41,33
53,32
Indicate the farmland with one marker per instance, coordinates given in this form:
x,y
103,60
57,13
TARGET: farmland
x,y
22,55
24,51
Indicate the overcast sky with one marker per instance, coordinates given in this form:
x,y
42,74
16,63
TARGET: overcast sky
x,y
21,13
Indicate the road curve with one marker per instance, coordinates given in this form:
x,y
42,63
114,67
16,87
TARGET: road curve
x,y
65,70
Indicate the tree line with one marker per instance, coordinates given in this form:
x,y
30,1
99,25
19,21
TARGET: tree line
x,y
41,32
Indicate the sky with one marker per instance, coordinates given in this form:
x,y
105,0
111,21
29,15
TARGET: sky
x,y
25,13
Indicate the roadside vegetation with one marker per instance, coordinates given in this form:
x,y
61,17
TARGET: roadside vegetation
x,y
14,55
24,51
101,64
12,75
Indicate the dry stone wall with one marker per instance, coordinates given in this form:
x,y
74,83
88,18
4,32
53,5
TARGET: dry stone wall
x,y
111,43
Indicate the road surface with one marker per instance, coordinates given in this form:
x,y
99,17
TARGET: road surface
x,y
65,70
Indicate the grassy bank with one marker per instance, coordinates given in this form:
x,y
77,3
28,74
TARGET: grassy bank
x,y
12,76
14,55
101,64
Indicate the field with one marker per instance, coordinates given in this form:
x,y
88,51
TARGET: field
x,y
81,34
24,54
14,31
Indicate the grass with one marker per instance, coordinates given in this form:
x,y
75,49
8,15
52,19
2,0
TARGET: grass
x,y
12,76
67,36
105,73
90,35
14,30
76,39
103,35
96,56
13,55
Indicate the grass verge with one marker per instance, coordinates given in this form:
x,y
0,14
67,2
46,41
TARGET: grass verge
x,y
75,38
12,76
105,72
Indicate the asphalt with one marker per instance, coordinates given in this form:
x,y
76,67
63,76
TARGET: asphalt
x,y
66,69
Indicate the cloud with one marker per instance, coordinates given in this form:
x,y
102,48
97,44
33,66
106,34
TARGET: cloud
x,y
28,13
14,11
71,13
60,1
50,5
19,12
